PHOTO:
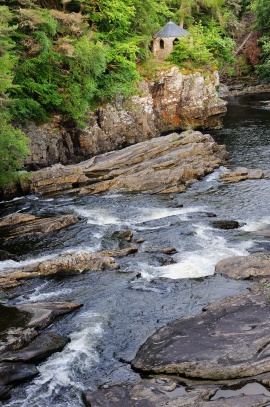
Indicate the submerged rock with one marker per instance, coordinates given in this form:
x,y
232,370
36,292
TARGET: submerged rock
x,y
25,225
161,165
245,267
229,340
226,224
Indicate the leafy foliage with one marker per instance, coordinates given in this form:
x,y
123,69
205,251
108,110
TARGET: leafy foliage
x,y
262,22
203,48
13,143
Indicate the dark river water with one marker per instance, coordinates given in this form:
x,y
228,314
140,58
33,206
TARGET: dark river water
x,y
122,308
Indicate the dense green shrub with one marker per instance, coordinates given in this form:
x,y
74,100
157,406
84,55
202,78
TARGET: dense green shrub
x,y
203,48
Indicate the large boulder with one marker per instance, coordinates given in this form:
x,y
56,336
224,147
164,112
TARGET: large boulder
x,y
228,340
245,267
161,165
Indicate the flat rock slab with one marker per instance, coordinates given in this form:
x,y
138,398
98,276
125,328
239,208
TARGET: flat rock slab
x,y
16,372
231,339
24,225
160,165
39,349
245,267
165,393
146,393
242,174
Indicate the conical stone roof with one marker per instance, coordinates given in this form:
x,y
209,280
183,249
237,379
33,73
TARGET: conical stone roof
x,y
171,30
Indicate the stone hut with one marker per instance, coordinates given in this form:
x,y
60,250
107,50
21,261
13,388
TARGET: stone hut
x,y
165,39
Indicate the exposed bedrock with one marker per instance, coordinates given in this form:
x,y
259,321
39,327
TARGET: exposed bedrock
x,y
165,392
169,102
160,165
228,340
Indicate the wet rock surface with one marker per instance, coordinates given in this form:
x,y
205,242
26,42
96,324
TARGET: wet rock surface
x,y
161,165
24,225
23,346
15,372
228,340
65,264
245,267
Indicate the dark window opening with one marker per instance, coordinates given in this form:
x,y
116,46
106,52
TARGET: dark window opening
x,y
175,41
161,44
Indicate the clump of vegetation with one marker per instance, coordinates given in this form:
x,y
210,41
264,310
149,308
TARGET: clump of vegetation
x,y
13,143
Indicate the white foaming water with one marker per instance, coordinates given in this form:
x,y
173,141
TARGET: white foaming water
x,y
11,264
256,225
57,383
38,296
214,176
198,263
15,264
98,216
149,214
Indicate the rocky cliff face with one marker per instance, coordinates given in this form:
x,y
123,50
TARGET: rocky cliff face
x,y
171,101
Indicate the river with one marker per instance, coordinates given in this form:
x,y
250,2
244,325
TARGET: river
x,y
122,308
